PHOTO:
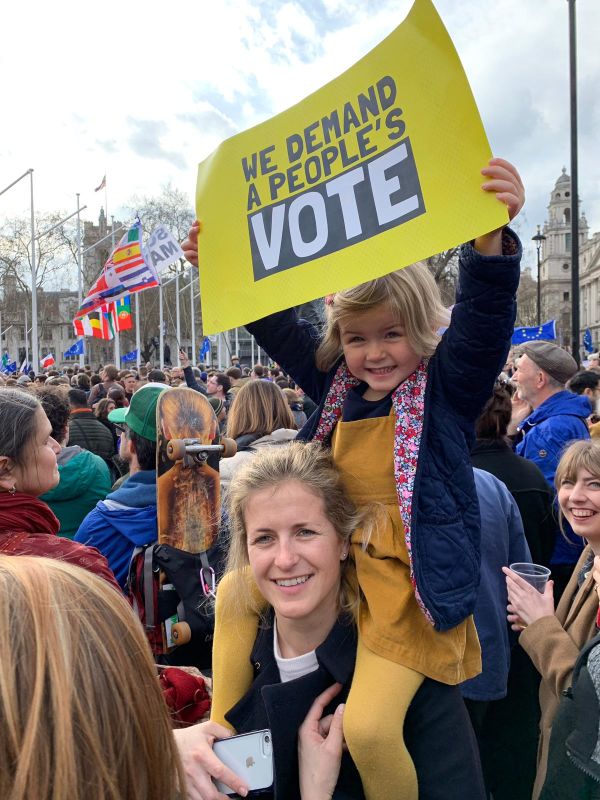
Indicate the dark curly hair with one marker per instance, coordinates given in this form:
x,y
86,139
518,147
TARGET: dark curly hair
x,y
57,410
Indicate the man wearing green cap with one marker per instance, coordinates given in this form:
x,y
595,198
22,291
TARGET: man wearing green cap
x,y
126,518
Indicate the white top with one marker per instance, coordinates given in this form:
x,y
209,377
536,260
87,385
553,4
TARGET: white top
x,y
291,668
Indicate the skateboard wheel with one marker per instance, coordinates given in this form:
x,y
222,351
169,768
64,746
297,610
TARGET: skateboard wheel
x,y
181,633
176,449
229,447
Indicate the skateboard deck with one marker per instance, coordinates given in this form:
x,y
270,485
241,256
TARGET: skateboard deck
x,y
187,467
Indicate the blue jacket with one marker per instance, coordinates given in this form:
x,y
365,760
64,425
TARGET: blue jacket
x,y
551,427
502,543
124,520
461,374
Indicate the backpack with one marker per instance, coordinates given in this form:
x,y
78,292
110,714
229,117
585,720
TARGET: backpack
x,y
178,612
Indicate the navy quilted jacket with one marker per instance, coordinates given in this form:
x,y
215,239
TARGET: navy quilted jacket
x,y
461,373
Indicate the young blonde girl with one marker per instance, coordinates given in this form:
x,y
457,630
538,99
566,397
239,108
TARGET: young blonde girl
x,y
397,406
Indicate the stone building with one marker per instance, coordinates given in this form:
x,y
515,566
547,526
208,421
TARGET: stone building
x,y
55,330
555,281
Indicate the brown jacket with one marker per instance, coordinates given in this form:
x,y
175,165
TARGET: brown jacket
x,y
553,644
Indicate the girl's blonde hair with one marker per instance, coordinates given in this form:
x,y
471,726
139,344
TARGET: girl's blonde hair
x,y
311,465
81,712
411,294
584,454
259,407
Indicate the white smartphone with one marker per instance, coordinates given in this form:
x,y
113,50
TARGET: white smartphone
x,y
250,756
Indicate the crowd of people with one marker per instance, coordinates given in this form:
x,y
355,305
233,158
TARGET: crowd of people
x,y
387,480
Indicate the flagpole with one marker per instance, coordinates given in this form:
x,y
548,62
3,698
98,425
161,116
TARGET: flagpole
x,y
192,311
79,271
34,324
26,342
114,305
137,328
177,314
161,328
106,199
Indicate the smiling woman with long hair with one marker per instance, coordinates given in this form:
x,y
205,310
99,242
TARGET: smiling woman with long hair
x,y
553,639
28,469
81,712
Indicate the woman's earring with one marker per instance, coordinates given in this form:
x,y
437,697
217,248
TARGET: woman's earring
x,y
344,555
12,490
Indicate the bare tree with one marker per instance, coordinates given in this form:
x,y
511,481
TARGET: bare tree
x,y
526,300
444,268
52,251
172,208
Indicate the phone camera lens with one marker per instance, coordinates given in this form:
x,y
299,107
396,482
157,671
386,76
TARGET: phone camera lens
x,y
267,739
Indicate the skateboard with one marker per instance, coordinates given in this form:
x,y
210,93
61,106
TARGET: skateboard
x,y
188,452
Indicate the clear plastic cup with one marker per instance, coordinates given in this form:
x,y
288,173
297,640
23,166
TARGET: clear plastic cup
x,y
534,574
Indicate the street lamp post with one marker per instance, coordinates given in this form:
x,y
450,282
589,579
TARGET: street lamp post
x,y
538,239
575,333
34,347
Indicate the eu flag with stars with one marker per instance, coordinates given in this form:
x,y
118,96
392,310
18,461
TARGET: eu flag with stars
x,y
75,349
546,331
587,341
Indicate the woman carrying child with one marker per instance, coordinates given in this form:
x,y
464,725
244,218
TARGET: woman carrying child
x,y
397,406
290,517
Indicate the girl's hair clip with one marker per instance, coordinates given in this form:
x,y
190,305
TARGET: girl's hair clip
x,y
329,299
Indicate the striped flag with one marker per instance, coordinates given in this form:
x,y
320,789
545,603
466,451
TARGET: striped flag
x,y
97,324
125,272
83,326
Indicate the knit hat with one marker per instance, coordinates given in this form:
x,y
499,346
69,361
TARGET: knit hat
x,y
551,358
217,404
140,415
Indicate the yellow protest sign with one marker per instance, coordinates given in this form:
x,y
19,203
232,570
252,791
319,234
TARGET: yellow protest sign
x,y
376,170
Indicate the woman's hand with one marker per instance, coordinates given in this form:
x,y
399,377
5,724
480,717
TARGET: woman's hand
x,y
190,244
504,180
525,603
200,764
320,744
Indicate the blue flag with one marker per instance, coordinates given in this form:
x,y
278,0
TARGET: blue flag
x,y
10,367
75,349
546,331
204,347
587,341
131,356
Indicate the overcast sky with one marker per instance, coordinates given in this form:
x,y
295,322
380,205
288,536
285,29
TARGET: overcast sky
x,y
143,92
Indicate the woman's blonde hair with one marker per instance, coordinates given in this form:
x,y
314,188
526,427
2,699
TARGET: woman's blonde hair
x,y
311,465
259,407
584,454
81,712
411,294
